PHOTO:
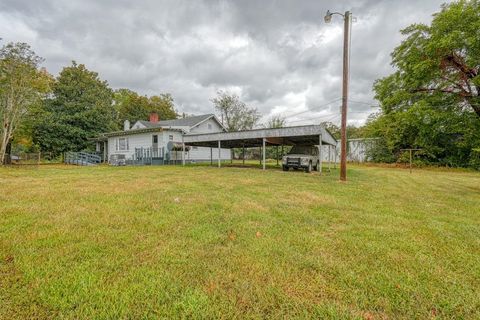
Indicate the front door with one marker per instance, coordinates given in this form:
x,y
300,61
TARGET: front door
x,y
155,152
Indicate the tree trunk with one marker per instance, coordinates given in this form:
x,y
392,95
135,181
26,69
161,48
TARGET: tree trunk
x,y
6,135
3,149
8,153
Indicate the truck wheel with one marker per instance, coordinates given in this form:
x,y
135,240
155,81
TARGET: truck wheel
x,y
309,168
285,168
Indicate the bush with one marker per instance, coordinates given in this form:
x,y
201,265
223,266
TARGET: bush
x,y
475,159
379,152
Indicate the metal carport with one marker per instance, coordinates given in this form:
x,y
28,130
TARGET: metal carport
x,y
300,135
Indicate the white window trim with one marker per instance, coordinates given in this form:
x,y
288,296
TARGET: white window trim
x,y
117,144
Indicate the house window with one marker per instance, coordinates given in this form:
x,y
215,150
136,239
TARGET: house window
x,y
170,137
122,144
155,139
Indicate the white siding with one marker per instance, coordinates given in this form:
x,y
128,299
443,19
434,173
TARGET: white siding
x,y
356,150
211,125
177,137
332,153
139,140
202,154
144,140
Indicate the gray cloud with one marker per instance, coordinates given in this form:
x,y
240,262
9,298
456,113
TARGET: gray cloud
x,y
279,56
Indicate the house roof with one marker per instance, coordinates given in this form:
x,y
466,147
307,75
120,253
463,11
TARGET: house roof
x,y
182,122
103,136
161,125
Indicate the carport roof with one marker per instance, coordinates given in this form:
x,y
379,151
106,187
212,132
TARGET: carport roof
x,y
302,135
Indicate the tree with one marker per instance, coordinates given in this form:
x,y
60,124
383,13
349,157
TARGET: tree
x,y
22,85
440,59
163,105
277,121
432,99
132,107
80,109
446,135
352,131
235,114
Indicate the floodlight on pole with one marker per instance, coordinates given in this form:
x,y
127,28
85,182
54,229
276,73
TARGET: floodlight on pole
x,y
328,17
346,57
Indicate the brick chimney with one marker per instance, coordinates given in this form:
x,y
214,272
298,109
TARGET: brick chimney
x,y
153,117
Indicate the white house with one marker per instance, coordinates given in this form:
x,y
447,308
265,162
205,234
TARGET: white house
x,y
160,141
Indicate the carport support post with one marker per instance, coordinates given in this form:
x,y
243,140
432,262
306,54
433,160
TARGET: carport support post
x,y
183,153
277,154
263,152
219,152
329,158
320,155
335,157
105,152
260,155
211,156
243,154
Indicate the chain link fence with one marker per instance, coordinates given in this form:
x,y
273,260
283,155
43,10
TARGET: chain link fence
x,y
32,159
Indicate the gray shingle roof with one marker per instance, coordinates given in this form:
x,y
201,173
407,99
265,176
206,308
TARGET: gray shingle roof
x,y
182,122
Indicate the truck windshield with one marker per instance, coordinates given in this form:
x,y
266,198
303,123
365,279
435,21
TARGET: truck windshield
x,y
301,150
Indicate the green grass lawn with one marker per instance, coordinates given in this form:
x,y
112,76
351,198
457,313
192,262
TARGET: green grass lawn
x,y
203,242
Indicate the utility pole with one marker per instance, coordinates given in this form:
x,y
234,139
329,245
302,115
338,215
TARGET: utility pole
x,y
346,38
346,54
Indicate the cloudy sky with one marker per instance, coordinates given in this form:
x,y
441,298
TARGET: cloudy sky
x,y
278,56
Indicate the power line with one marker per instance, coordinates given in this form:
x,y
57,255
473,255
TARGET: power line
x,y
330,117
309,110
328,103
367,111
318,117
363,102
327,115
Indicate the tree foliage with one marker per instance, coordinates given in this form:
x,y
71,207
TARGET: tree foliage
x,y
235,114
353,132
446,135
132,107
276,121
443,58
79,109
432,100
22,86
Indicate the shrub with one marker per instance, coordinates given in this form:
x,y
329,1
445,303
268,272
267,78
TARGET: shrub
x,y
475,159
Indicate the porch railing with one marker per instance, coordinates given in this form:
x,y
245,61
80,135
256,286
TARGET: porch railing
x,y
82,158
149,155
